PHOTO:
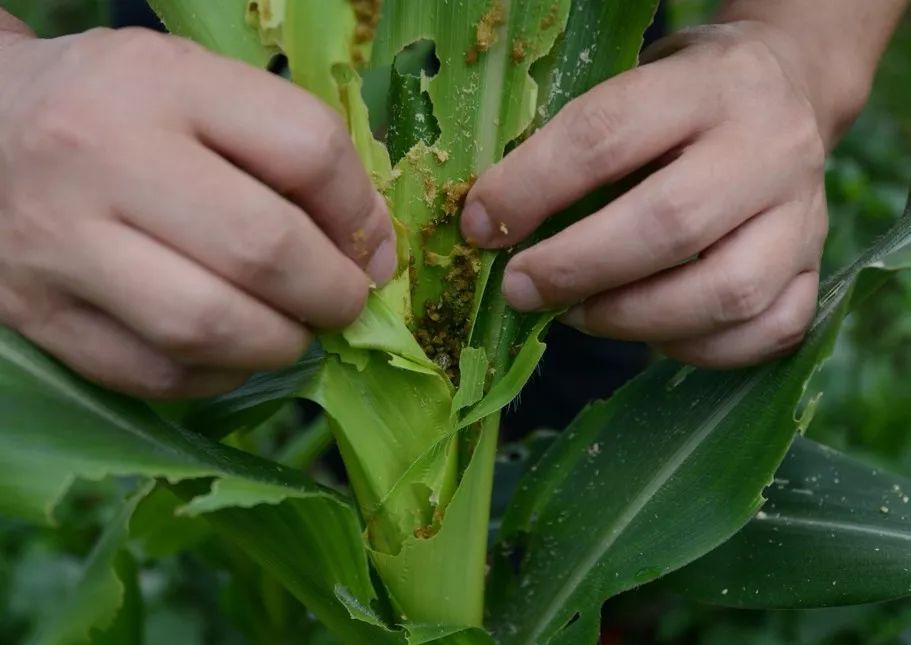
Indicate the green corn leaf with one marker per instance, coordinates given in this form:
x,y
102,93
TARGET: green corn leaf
x,y
129,624
308,549
634,490
156,530
406,455
56,428
393,409
411,117
385,416
834,531
482,97
219,26
438,635
456,552
602,39
321,37
254,402
93,605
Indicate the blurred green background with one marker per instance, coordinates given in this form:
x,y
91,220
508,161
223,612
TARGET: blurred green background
x,y
191,599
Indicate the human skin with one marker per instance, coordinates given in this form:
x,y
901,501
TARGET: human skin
x,y
171,221
714,257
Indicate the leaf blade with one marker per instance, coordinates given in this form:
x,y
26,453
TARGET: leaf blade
x,y
56,428
219,26
833,532
95,602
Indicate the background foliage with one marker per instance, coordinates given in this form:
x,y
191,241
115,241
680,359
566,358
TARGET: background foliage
x,y
192,598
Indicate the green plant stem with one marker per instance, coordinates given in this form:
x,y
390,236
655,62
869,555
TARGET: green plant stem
x,y
477,529
500,324
441,580
305,448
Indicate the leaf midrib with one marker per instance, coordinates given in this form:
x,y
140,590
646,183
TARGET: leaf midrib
x,y
613,531
833,525
67,391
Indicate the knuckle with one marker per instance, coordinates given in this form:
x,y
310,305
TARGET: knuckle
x,y
86,48
136,44
815,228
672,227
31,311
820,228
202,332
30,230
591,126
327,143
747,57
755,72
740,297
162,379
14,312
806,142
264,255
58,124
561,281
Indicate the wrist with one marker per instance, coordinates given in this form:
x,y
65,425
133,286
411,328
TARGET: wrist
x,y
837,83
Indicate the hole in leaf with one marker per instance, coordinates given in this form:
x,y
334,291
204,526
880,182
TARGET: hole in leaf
x,y
418,58
410,110
278,65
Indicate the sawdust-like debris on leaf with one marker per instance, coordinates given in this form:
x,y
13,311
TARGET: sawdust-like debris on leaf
x,y
367,14
550,18
454,194
486,31
446,324
518,50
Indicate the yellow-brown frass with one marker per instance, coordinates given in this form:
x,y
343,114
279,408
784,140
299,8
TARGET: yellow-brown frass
x,y
454,194
444,329
368,14
486,31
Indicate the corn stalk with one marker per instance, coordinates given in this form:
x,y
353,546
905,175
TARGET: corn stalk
x,y
414,388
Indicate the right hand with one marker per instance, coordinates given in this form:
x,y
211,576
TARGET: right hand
x,y
170,220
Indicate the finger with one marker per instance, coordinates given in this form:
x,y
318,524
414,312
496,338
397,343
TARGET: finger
x,y
673,215
174,304
775,333
617,128
105,352
200,205
297,145
735,281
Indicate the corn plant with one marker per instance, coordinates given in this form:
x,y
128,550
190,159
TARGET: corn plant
x,y
672,478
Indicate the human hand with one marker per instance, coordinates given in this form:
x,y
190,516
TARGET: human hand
x,y
740,187
171,221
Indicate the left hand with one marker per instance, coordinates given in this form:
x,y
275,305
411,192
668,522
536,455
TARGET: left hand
x,y
714,258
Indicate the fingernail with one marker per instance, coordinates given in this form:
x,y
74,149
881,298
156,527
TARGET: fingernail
x,y
575,317
476,223
383,263
521,292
